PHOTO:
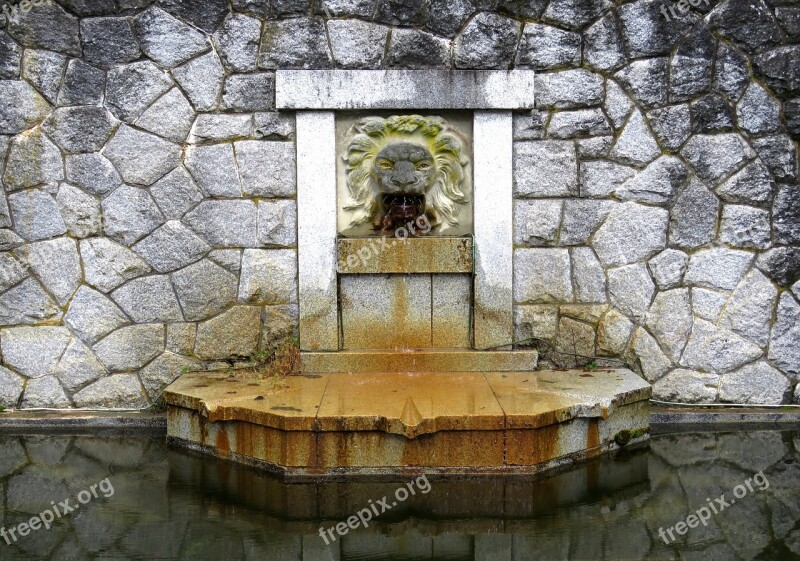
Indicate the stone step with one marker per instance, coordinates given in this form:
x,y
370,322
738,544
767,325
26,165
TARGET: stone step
x,y
419,360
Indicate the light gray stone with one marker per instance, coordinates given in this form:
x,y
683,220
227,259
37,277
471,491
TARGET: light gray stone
x,y
167,40
670,320
574,343
268,277
784,347
11,271
44,70
106,264
202,79
732,73
132,88
78,366
578,123
668,268
603,46
752,184
535,322
757,111
130,214
488,41
779,154
575,14
631,233
542,276
10,392
119,390
581,219
654,363
219,127
617,104
590,280
21,107
81,212
635,144
543,47
280,324
169,117
180,338
45,392
32,160
171,247
249,92
214,169
294,43
36,215
80,129
163,371
225,223
613,333
631,290
530,125
714,157
92,315
546,168
130,348
568,89
357,44
708,304
537,222
277,223
141,158
230,259
108,41
9,240
693,220
33,351
715,349
93,173
27,303
234,333
10,57
267,169
237,42
757,383
601,178
672,125
646,80
687,386
273,125
204,289
719,268
56,264
745,227
657,183
596,147
749,309
413,48
176,193
149,300
83,84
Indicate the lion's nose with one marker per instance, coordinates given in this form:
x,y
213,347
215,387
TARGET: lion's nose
x,y
404,181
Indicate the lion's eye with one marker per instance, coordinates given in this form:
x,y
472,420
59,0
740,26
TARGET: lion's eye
x,y
385,164
423,166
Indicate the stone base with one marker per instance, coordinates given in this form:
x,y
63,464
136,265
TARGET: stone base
x,y
456,360
319,425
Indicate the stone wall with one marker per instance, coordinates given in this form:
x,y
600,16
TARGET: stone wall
x,y
149,221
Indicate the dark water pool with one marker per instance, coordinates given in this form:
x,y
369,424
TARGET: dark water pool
x,y
168,504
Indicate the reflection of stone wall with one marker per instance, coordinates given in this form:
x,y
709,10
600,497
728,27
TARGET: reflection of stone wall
x,y
149,221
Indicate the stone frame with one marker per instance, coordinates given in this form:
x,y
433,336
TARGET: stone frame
x,y
492,95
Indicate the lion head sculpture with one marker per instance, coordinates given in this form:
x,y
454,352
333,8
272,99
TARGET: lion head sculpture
x,y
406,158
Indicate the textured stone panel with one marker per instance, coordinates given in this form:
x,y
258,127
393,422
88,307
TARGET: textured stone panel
x,y
92,315
149,300
141,158
225,223
267,169
542,275
33,351
546,168
106,264
130,348
234,333
204,289
268,277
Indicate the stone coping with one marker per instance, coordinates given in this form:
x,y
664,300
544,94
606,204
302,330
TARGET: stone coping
x,y
404,89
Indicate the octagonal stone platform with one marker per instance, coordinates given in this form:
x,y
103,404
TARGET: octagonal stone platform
x,y
372,423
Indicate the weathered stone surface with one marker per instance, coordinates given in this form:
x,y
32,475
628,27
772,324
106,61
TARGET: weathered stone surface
x,y
10,392
717,350
131,88
163,371
21,107
106,264
523,9
536,321
568,89
687,386
631,289
45,392
180,338
752,184
613,333
654,363
27,303
579,123
167,40
234,333
617,104
646,80
779,154
249,92
647,32
79,129
203,15
530,125
668,268
274,126
9,240
757,111
92,315
294,43
218,127
36,215
78,366
657,183
266,169
44,70
693,220
545,168
93,173
446,17
792,113
635,145
711,114
574,14
108,40
715,156
602,178
590,280
32,160
536,222
268,277
719,268
169,117
277,223
708,304
130,348
237,42
672,125
488,41
596,147
130,214
176,193
750,25
149,300
543,47
10,57
47,26
225,223
543,275
779,68
574,342
631,233
201,79
784,346
214,169
119,390
603,45
670,320
745,226
279,325
141,158
347,8
732,74
83,84
204,289
749,309
171,247
786,214
11,271
581,219
56,264
691,66
408,48
230,259
757,383
33,351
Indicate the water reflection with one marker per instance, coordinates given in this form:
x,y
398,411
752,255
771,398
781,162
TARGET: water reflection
x,y
174,505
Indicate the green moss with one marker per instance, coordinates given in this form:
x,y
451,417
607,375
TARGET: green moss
x,y
623,437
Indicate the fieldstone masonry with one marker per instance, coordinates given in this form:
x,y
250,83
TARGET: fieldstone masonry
x,y
148,215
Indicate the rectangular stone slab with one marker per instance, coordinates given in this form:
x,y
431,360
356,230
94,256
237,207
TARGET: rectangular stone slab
x,y
419,361
409,255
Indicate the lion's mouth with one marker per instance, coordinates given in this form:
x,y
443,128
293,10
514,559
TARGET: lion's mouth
x,y
407,207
